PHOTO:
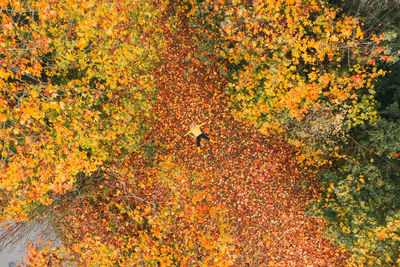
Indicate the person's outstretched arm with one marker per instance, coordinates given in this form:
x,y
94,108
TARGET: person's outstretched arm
x,y
188,133
203,124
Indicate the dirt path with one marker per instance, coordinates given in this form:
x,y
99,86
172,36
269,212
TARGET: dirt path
x,y
256,177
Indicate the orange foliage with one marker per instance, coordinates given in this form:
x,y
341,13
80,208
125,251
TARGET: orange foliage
x,y
240,202
290,59
71,92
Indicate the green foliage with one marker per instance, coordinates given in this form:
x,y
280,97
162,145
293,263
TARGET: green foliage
x,y
360,198
388,93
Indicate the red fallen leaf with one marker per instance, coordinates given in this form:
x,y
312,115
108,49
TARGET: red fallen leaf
x,y
3,50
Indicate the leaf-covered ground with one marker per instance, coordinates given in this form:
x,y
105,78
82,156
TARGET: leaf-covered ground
x,y
255,177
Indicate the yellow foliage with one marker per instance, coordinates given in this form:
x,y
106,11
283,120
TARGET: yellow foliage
x,y
93,99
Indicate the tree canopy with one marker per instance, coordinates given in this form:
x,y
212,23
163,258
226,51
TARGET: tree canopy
x,y
96,96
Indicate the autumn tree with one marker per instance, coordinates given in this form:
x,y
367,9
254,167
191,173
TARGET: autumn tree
x,y
360,195
75,92
295,67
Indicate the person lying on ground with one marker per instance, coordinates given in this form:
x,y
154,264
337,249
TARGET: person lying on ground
x,y
198,134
